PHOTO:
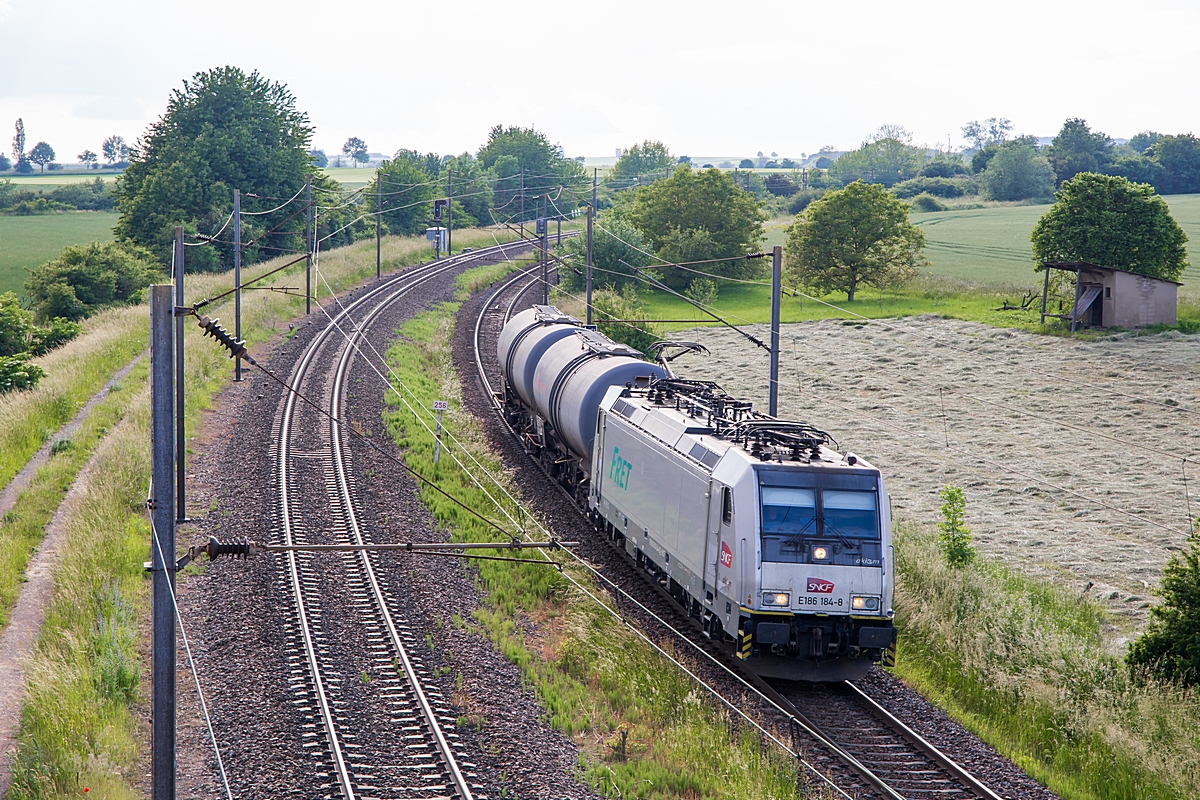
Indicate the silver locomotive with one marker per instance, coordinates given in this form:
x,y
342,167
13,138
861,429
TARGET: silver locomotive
x,y
776,544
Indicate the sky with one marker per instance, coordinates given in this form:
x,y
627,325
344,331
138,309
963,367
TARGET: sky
x,y
706,78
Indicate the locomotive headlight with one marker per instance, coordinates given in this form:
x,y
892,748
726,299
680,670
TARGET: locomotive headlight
x,y
820,553
777,599
864,603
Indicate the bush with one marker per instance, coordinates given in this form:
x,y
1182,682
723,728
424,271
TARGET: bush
x,y
801,200
636,330
943,169
954,538
36,206
1018,172
939,187
702,291
926,202
19,334
87,278
17,373
1170,647
85,196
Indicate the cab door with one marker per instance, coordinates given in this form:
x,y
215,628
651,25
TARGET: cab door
x,y
721,513
713,541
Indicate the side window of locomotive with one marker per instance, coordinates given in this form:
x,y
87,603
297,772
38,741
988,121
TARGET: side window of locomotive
x,y
852,514
788,515
727,505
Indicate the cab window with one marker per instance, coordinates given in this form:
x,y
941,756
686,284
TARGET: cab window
x,y
852,514
727,505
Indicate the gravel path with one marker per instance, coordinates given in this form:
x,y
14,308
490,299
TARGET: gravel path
x,y
1007,396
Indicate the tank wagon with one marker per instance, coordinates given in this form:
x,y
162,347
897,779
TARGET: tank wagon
x,y
777,545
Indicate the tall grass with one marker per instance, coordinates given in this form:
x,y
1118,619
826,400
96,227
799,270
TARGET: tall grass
x,y
82,720
1036,672
593,677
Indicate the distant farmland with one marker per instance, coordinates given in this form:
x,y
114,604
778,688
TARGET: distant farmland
x,y
26,242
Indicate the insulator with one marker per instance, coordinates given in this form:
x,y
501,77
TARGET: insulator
x,y
236,347
236,549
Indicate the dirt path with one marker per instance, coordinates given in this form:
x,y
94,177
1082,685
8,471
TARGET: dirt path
x,y
1006,401
8,498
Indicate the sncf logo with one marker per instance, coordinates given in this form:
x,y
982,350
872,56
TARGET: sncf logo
x,y
819,586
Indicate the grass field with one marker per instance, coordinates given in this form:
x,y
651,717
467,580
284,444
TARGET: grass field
x,y
50,180
990,246
351,177
27,242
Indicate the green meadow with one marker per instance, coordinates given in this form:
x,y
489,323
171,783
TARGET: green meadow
x,y
26,242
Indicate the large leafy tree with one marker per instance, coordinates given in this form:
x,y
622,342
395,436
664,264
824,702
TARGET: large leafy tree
x,y
696,215
615,244
114,149
508,152
224,129
408,192
1018,172
888,157
857,236
993,130
1077,148
645,159
356,149
472,187
1106,220
41,154
1179,157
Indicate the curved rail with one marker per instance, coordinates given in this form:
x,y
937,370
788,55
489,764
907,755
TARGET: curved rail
x,y
406,282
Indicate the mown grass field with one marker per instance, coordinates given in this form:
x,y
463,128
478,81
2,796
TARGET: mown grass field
x,y
50,180
27,242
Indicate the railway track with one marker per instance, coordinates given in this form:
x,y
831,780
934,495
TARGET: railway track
x,y
401,742
878,755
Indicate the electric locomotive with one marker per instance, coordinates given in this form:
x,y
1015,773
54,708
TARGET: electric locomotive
x,y
776,544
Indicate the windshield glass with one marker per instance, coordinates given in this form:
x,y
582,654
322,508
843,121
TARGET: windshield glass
x,y
788,515
851,514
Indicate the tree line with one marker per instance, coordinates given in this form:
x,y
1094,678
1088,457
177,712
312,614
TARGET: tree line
x,y
42,154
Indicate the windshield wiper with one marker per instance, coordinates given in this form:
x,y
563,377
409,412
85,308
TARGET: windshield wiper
x,y
841,538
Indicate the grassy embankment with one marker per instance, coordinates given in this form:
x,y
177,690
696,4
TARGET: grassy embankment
x,y
593,677
28,242
1032,669
80,724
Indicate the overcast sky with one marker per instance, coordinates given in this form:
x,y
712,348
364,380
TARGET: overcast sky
x,y
707,78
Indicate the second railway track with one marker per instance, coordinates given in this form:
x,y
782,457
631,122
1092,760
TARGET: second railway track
x,y
403,744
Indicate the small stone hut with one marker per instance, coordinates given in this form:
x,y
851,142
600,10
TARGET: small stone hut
x,y
1107,297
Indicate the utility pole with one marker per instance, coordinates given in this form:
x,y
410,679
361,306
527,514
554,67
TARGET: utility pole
x,y
545,226
308,219
180,441
449,211
776,281
237,278
378,220
522,202
590,212
162,545
593,190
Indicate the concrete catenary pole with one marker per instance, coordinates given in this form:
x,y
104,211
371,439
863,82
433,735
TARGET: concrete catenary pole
x,y
776,287
180,433
590,213
308,218
449,212
237,277
545,250
162,545
378,223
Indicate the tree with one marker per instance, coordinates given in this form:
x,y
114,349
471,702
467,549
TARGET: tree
x,y
745,163
993,130
615,243
1142,142
356,148
635,327
887,157
703,214
859,235
953,536
1179,157
1107,220
472,190
1078,149
5,164
223,129
114,149
87,158
41,154
19,141
646,158
511,152
86,278
1170,647
1017,172
409,191
320,160
1138,169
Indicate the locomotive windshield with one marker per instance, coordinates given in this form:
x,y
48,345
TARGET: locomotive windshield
x,y
815,506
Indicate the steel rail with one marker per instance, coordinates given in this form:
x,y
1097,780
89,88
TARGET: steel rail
x,y
789,708
411,279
